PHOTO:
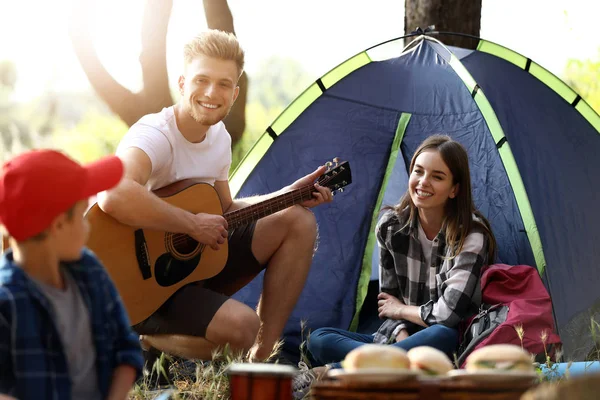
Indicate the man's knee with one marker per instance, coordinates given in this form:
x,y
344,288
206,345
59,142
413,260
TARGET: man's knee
x,y
302,221
235,324
244,329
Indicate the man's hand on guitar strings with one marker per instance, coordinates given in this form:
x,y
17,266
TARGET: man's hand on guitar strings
x,y
322,194
210,229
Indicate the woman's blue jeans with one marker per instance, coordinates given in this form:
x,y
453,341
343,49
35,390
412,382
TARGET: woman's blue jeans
x,y
330,345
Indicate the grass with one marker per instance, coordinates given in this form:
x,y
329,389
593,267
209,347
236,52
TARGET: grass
x,y
208,380
194,379
548,370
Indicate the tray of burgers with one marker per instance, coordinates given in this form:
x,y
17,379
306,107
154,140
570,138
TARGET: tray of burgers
x,y
376,371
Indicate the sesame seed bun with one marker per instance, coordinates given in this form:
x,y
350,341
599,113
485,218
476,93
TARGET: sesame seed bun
x,y
499,356
376,356
429,360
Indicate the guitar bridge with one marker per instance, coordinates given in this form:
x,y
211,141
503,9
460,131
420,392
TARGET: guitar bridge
x,y
142,255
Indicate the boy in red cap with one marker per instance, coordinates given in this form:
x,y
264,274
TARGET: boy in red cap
x,y
64,333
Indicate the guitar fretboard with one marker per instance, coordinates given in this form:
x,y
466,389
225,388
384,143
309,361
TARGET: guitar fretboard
x,y
270,206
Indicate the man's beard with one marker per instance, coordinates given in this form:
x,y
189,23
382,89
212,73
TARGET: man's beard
x,y
201,118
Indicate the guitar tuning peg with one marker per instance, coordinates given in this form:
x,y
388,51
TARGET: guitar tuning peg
x,y
336,160
328,164
341,190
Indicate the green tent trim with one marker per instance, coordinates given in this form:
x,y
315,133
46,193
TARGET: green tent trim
x,y
508,160
289,115
365,274
544,76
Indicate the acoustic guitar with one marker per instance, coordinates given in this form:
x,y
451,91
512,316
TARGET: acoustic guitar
x,y
148,266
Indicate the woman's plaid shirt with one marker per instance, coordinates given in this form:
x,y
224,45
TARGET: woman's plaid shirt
x,y
447,291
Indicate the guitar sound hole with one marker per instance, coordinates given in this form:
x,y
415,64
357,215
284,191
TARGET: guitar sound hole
x,y
169,270
184,244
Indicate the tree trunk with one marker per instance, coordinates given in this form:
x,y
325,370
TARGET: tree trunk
x,y
153,58
155,95
459,16
218,16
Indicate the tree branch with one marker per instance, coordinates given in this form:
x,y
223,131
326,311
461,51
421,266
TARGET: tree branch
x,y
120,100
218,16
153,58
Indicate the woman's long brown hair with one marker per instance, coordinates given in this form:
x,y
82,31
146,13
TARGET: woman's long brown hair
x,y
458,221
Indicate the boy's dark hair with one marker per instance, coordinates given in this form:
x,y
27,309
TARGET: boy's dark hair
x,y
44,234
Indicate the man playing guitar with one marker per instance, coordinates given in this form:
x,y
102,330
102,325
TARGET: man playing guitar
x,y
189,140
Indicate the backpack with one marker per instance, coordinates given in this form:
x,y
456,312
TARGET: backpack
x,y
512,297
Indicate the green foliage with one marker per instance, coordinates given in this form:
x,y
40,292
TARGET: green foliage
x,y
8,79
595,352
23,127
82,126
583,76
276,84
258,118
95,136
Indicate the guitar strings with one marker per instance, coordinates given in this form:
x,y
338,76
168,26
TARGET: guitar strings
x,y
237,216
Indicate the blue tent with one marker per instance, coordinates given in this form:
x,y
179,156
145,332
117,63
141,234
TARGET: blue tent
x,y
533,146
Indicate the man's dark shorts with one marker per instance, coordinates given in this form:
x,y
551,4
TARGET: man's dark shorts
x,y
191,308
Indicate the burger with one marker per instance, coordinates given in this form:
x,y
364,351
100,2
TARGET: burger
x,y
429,361
504,357
376,356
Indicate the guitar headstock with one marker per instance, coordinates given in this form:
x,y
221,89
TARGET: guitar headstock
x,y
337,176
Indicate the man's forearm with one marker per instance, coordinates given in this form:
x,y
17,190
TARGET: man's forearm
x,y
122,382
237,204
132,204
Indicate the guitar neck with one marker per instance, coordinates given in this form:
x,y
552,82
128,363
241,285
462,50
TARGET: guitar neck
x,y
270,206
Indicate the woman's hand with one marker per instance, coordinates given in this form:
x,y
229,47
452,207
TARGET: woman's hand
x,y
403,334
389,306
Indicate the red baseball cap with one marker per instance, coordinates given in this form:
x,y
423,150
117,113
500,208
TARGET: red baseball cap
x,y
39,185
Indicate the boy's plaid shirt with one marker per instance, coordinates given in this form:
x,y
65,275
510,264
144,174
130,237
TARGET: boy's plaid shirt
x,y
447,291
32,362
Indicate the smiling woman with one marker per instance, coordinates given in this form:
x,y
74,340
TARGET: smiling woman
x,y
433,245
431,185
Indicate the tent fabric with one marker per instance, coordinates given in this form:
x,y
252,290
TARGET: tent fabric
x,y
556,150
531,143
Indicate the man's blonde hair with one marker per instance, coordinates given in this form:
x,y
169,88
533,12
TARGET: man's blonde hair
x,y
216,44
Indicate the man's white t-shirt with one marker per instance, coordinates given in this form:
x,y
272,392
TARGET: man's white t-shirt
x,y
173,157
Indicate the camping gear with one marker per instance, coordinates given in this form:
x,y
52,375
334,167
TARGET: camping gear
x,y
533,147
260,381
519,301
479,328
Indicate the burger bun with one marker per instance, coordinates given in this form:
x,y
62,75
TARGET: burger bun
x,y
429,360
376,356
506,357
